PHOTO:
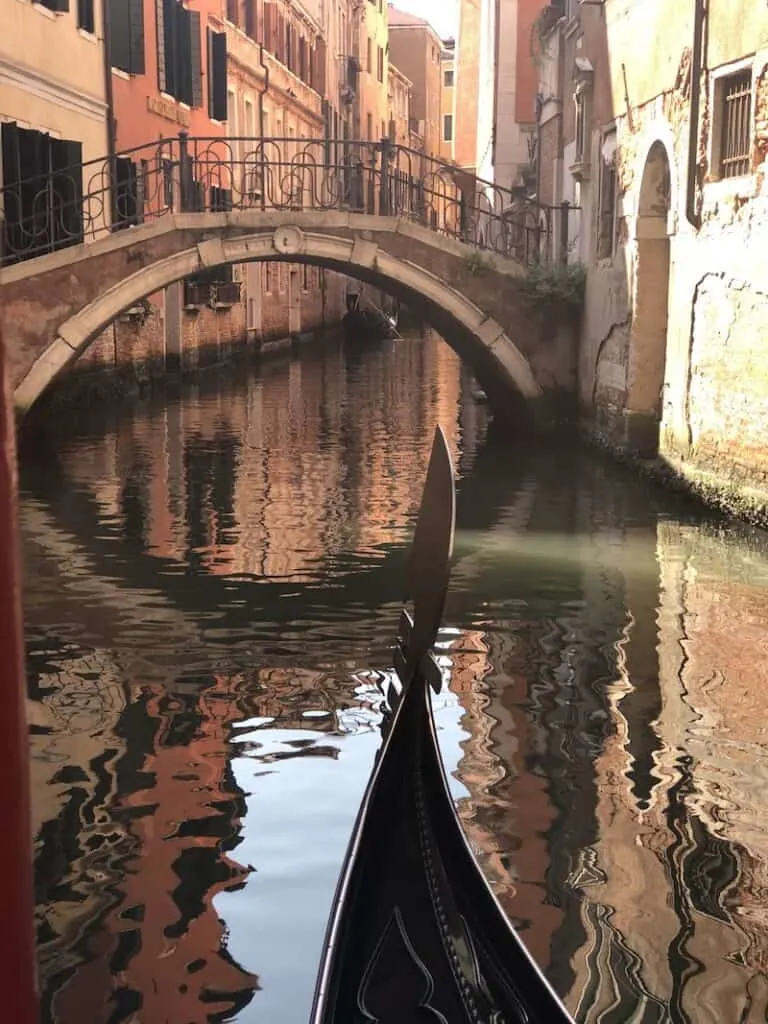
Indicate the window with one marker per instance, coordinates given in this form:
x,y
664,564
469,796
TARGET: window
x,y
60,6
380,64
733,106
126,35
305,282
581,100
448,78
33,165
250,18
606,203
85,19
232,12
267,277
447,127
369,55
179,71
217,75
369,123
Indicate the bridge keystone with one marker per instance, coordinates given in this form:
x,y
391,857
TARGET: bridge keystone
x,y
212,253
364,253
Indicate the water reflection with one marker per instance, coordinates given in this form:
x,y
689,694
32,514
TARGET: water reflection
x,y
212,587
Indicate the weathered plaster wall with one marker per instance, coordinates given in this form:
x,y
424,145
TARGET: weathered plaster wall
x,y
701,393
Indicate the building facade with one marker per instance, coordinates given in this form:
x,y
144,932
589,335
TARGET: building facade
x,y
53,117
415,48
514,131
663,147
399,106
448,99
475,87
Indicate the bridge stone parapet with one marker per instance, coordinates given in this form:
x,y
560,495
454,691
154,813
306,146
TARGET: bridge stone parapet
x,y
54,306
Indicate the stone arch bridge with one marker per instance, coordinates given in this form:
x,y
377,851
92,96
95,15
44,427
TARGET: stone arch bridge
x,y
54,305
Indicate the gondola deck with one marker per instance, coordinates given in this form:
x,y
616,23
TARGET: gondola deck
x,y
416,935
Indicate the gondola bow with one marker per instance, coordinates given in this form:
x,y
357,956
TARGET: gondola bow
x,y
415,934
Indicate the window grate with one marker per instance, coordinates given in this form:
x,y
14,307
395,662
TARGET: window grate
x,y
736,133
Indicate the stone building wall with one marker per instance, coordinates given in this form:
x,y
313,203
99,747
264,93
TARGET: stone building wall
x,y
670,362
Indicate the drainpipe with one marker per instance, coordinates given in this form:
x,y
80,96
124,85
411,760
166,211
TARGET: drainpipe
x,y
699,15
109,98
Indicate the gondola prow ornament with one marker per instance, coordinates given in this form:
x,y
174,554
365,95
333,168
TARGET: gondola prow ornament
x,y
415,934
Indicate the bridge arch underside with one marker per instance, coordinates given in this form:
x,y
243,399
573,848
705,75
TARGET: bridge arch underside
x,y
499,366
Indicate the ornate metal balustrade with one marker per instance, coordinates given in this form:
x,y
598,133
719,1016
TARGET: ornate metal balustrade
x,y
59,207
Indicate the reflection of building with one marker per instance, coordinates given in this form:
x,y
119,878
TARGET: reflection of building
x,y
230,487
159,945
507,815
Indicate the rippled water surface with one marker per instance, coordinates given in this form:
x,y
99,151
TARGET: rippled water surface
x,y
212,588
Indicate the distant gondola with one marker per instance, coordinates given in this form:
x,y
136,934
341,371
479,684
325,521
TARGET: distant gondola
x,y
415,934
367,324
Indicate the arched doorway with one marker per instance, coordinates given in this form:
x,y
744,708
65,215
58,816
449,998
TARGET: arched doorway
x,y
648,339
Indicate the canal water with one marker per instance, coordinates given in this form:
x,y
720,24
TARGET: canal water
x,y
212,588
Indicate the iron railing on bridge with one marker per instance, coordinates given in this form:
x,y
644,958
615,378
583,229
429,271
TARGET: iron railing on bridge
x,y
58,207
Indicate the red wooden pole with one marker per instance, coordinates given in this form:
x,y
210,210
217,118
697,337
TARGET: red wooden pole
x,y
18,998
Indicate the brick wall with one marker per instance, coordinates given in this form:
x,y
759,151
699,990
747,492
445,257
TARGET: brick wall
x,y
137,338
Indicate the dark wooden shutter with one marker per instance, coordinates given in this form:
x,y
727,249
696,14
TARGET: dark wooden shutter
x,y
11,239
125,210
196,59
85,18
318,79
136,32
119,35
269,26
217,75
162,75
250,18
66,158
184,55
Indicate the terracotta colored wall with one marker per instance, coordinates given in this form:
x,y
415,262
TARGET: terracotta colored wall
x,y
136,123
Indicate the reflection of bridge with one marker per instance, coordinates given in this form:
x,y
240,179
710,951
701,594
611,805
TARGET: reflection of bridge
x,y
82,243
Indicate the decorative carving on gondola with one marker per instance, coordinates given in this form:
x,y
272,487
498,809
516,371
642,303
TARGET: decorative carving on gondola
x,y
396,962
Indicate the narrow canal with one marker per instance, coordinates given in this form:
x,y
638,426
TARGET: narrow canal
x,y
212,588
